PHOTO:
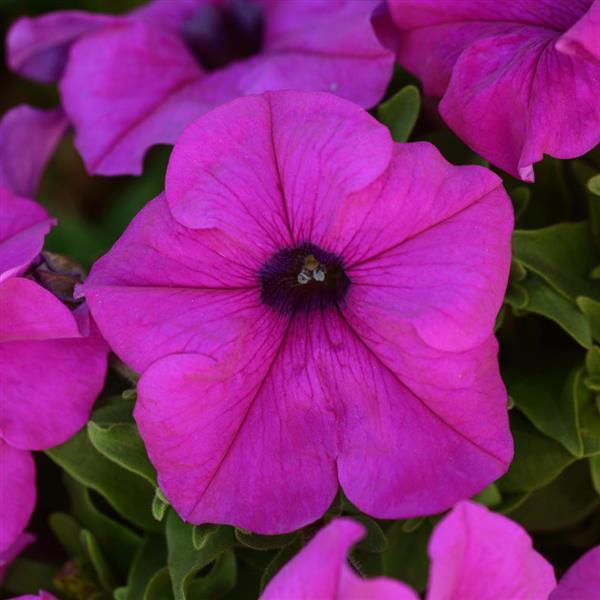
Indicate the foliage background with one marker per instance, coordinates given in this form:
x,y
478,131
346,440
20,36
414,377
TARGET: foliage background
x,y
104,531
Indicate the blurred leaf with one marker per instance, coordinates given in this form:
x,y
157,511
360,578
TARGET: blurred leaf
x,y
68,532
184,560
594,185
591,309
400,112
544,393
563,255
595,472
130,495
151,557
411,525
159,505
202,533
116,411
533,294
565,501
589,414
375,540
121,443
279,560
97,560
490,496
538,459
405,557
117,541
159,587
25,576
220,580
264,542
520,198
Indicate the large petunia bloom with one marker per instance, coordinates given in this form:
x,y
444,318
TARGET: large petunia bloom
x,y
582,580
517,78
474,554
53,358
130,82
312,305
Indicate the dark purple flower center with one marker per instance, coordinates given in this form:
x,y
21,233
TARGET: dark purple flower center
x,y
302,279
58,274
220,34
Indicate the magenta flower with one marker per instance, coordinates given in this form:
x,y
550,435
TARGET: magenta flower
x,y
43,595
53,358
312,304
582,580
131,82
517,79
475,555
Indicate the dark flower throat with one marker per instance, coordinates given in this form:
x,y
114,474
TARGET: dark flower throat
x,y
303,279
220,34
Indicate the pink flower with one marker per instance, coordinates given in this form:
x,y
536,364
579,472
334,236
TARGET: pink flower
x,y
475,555
517,79
130,82
312,305
582,580
53,359
43,595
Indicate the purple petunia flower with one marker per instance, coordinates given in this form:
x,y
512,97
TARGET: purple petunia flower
x,y
475,554
312,305
518,78
53,358
130,82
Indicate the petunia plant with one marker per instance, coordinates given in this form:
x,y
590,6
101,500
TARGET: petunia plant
x,y
337,336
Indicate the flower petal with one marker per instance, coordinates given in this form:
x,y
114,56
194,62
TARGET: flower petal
x,y
245,441
421,429
27,138
46,410
30,312
17,493
23,226
582,39
38,48
478,554
295,156
125,88
320,570
582,580
429,244
192,291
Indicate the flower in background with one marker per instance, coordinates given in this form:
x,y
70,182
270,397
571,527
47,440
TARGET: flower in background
x,y
474,554
310,305
130,82
518,79
53,359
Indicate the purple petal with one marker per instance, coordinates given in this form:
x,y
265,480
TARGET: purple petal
x,y
23,226
27,139
320,570
248,440
582,580
38,48
17,496
583,39
479,554
43,411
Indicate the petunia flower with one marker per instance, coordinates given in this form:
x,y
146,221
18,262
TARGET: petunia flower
x,y
310,305
43,595
582,580
517,78
130,82
474,554
53,358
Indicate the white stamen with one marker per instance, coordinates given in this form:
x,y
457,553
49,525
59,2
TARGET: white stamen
x,y
319,273
304,277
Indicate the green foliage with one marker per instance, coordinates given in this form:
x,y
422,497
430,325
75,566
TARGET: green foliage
x,y
400,113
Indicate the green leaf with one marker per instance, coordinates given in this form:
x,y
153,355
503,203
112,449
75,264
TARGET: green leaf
x,y
544,393
263,542
565,501
97,560
490,496
594,185
538,459
118,542
202,533
375,540
68,532
411,525
592,361
591,309
279,560
159,587
151,558
400,112
595,472
121,443
405,557
589,414
520,198
159,505
25,576
130,495
184,560
219,581
563,255
533,294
